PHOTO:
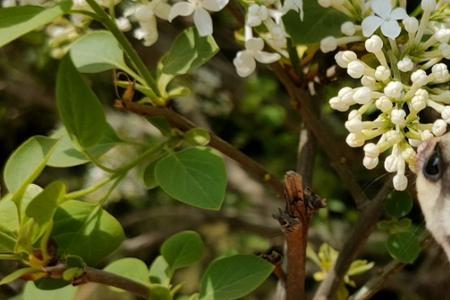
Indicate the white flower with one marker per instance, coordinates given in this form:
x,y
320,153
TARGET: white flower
x,y
245,60
442,35
374,44
440,72
439,127
405,65
419,77
384,104
445,114
355,140
370,162
199,8
385,17
356,69
428,5
382,73
394,89
146,15
123,24
371,150
398,117
256,14
362,95
328,44
325,3
445,50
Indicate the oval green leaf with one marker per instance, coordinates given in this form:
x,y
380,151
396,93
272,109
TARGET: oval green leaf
x,y
31,292
97,51
43,206
194,176
131,268
20,20
182,249
404,246
27,162
79,108
159,272
234,277
86,230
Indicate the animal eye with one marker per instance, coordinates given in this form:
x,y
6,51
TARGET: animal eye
x,y
432,169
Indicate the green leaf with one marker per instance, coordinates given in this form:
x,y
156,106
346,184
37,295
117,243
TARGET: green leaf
x,y
17,21
67,155
86,230
317,23
27,162
160,272
188,51
131,268
7,242
234,277
398,204
31,292
160,292
194,176
17,274
182,249
79,108
97,51
404,246
44,205
148,175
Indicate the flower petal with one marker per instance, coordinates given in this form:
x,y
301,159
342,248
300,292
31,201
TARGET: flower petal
x,y
245,63
162,10
203,22
180,9
214,5
254,44
399,14
382,8
371,24
267,57
390,29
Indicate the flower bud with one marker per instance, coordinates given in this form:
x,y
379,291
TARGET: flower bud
x,y
390,163
384,104
337,104
411,24
418,103
343,58
382,73
346,95
371,150
362,95
400,182
405,65
368,81
348,28
445,114
445,50
439,127
354,114
428,5
419,77
422,93
328,44
354,125
398,117
374,44
394,89
442,35
393,137
355,140
356,69
414,143
408,154
256,15
440,72
370,162
426,135
123,24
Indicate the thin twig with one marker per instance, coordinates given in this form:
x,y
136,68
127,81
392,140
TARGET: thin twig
x,y
306,155
99,276
354,243
184,124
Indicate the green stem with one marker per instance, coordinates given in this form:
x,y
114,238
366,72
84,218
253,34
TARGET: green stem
x,y
98,164
10,257
137,62
89,190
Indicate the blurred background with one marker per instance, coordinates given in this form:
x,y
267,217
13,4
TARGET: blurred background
x,y
253,114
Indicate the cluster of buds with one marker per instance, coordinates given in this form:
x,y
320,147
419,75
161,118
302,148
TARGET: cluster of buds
x,y
402,72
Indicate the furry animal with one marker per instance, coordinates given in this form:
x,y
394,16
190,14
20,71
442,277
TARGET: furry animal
x,y
433,187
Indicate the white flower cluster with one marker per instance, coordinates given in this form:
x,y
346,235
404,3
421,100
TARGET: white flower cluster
x,y
264,19
402,72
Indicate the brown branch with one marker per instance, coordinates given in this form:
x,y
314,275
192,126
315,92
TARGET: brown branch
x,y
331,146
354,243
306,155
99,276
294,220
216,142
